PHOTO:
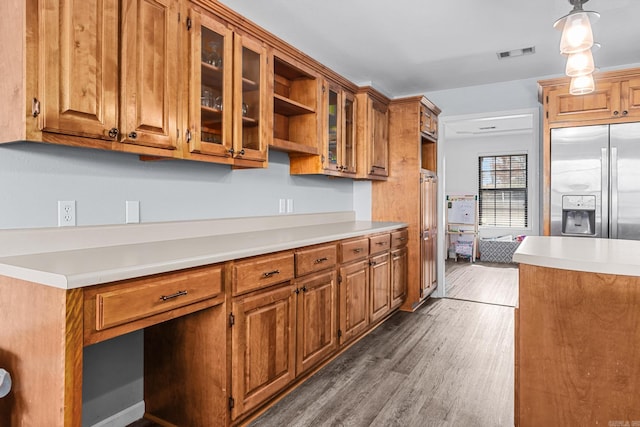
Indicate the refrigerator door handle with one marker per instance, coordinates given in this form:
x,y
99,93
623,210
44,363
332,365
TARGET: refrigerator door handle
x,y
604,183
614,193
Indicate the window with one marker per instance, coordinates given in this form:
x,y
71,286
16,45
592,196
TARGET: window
x,y
502,182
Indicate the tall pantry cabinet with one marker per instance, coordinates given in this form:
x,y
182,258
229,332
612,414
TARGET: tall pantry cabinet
x,y
412,149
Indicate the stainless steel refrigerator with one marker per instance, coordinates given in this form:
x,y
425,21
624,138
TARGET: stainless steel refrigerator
x,y
428,231
595,181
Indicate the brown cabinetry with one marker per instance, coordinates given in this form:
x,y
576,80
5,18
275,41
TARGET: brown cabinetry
x,y
263,346
399,267
616,99
296,107
573,362
338,136
85,49
317,329
401,196
372,134
149,69
284,330
228,93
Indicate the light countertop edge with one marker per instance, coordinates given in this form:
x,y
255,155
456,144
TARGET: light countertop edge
x,y
85,267
606,256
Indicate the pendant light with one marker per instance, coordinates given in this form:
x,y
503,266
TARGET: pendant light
x,y
576,42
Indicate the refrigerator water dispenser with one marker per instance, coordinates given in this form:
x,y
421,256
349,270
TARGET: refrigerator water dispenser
x,y
578,215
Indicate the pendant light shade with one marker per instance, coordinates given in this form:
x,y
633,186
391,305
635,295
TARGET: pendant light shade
x,y
576,34
580,64
582,85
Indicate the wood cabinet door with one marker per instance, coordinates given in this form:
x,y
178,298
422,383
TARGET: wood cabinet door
x,y
149,70
600,104
399,271
379,154
347,137
354,296
380,290
252,113
263,346
317,329
210,89
79,67
428,259
630,97
332,117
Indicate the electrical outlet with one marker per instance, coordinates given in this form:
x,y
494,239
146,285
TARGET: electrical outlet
x,y
66,213
282,206
289,205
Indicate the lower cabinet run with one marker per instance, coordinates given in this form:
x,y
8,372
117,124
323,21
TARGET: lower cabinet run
x,y
221,341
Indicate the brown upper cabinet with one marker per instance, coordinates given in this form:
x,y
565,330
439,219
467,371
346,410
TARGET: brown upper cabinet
x,y
616,98
338,133
102,76
188,79
296,106
372,134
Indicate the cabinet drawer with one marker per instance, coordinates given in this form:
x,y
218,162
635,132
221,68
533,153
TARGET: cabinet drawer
x,y
354,249
259,272
379,243
137,299
315,259
399,238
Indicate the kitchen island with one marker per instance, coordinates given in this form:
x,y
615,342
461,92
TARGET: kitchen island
x,y
577,335
234,311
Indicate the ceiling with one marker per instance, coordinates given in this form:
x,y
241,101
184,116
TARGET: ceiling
x,y
408,47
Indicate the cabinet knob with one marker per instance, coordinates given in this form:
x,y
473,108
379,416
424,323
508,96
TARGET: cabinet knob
x,y
625,112
188,135
241,153
132,135
113,133
304,289
615,113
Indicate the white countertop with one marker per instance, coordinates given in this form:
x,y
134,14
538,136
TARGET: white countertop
x,y
68,269
608,256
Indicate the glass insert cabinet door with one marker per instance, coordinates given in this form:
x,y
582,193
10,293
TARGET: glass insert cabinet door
x,y
210,87
333,120
250,100
340,149
349,134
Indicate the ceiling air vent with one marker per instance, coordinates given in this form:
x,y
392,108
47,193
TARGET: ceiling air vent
x,y
517,52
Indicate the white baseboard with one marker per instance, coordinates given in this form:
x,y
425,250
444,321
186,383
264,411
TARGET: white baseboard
x,y
124,417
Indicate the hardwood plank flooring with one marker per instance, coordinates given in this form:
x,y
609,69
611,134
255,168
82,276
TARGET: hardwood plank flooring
x,y
450,363
492,283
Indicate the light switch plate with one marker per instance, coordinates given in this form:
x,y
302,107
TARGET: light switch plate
x,y
132,212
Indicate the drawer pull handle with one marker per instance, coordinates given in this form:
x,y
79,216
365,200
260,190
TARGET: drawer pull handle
x,y
172,296
357,250
321,260
270,273
381,243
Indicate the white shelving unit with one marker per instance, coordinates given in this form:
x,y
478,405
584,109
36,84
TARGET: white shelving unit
x,y
462,226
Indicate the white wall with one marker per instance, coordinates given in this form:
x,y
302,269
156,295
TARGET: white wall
x,y
33,177
461,158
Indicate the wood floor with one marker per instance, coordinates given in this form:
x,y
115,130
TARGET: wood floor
x,y
448,364
492,283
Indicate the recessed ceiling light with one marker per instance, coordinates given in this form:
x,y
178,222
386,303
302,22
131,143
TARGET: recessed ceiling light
x,y
516,52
